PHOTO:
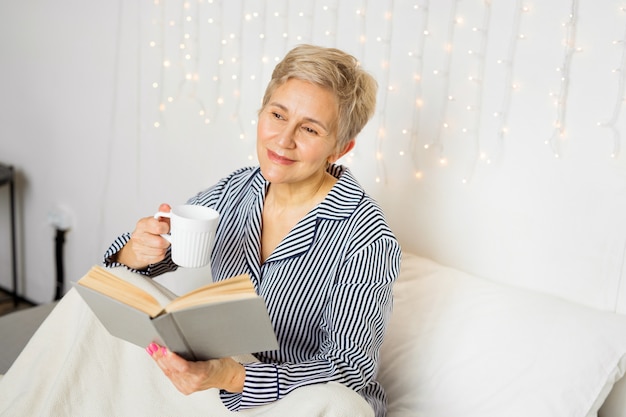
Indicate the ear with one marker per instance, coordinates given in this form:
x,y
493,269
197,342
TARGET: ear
x,y
349,146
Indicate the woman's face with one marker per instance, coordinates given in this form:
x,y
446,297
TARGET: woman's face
x,y
296,133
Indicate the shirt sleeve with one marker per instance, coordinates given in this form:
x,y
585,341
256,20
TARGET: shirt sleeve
x,y
355,319
153,270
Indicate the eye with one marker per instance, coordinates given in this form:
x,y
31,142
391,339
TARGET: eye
x,y
310,131
277,116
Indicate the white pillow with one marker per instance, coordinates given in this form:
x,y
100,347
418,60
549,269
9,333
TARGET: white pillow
x,y
458,345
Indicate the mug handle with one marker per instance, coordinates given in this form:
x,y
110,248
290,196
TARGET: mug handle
x,y
166,236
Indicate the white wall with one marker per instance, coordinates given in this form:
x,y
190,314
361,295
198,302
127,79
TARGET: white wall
x,y
82,88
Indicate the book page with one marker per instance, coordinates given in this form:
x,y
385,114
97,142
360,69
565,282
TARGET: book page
x,y
237,287
133,289
162,295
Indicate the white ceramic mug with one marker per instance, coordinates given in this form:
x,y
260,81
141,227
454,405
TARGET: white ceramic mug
x,y
192,230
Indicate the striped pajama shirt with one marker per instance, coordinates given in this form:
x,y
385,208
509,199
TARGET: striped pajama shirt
x,y
327,285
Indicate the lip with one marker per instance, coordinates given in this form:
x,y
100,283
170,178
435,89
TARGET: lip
x,y
274,157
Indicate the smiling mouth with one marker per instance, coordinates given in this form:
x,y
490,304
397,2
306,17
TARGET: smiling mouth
x,y
274,157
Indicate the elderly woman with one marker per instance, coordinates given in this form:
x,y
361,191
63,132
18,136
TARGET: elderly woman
x,y
315,245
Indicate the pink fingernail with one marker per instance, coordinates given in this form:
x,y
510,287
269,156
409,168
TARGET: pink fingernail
x,y
164,351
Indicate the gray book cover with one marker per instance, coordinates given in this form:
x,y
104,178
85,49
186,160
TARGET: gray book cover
x,y
208,331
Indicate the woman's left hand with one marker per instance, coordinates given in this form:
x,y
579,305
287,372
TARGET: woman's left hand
x,y
189,377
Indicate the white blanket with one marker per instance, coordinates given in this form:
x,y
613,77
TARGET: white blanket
x,y
73,367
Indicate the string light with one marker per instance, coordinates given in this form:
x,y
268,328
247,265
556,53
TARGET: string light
x,y
386,41
619,101
437,142
477,108
509,85
559,130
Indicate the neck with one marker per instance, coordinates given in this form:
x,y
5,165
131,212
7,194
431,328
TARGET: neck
x,y
314,192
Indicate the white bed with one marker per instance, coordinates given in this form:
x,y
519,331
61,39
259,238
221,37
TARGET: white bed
x,y
458,345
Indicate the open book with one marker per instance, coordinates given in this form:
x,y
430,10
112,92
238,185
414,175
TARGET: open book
x,y
222,319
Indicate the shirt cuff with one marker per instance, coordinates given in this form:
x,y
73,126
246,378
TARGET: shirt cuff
x,y
152,270
260,387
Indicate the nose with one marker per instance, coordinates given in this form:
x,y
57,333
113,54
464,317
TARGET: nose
x,y
287,136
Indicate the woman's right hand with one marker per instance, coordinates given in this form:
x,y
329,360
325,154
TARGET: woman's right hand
x,y
146,245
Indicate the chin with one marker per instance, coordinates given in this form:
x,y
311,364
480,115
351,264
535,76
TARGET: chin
x,y
271,173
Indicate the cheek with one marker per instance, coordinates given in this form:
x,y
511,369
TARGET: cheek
x,y
264,132
318,154
260,130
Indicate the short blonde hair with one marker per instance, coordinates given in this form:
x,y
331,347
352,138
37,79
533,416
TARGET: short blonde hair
x,y
338,71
